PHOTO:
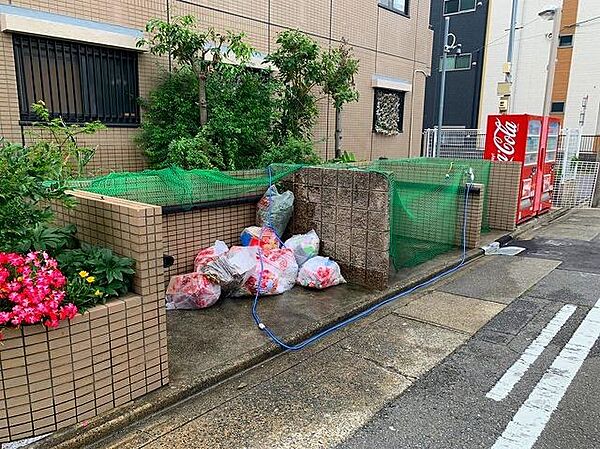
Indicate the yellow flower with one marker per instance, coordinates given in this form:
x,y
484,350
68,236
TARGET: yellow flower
x,y
84,274
90,279
20,279
98,293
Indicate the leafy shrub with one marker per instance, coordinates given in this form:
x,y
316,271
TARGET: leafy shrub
x,y
111,274
50,239
25,191
293,151
170,113
194,152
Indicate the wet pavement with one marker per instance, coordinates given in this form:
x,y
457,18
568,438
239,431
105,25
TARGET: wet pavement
x,y
416,373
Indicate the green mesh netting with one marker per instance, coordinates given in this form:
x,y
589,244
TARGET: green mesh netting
x,y
178,187
427,204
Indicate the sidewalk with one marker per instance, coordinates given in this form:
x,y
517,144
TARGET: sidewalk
x,y
209,346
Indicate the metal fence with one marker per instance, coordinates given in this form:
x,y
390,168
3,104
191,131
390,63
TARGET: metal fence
x,y
455,143
575,183
588,144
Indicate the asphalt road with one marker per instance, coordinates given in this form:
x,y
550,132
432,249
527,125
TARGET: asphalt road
x,y
547,341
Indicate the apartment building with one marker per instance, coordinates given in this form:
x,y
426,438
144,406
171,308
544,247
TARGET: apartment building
x,y
576,86
79,56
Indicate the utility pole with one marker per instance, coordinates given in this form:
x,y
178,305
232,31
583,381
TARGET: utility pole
x,y
445,49
505,88
557,16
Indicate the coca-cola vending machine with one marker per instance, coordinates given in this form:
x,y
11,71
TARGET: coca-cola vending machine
x,y
532,140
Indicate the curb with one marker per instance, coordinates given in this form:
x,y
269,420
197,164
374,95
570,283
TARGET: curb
x,y
95,429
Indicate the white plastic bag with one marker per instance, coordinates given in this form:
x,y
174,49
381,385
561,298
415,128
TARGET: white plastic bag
x,y
232,269
275,207
279,270
320,272
191,291
304,246
209,254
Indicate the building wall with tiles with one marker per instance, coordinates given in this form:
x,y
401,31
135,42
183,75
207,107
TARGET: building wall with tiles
x,y
503,193
104,358
385,42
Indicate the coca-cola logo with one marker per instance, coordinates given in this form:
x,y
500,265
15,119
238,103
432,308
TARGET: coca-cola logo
x,y
504,139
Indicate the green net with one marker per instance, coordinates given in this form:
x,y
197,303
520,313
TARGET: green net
x,y
427,204
177,187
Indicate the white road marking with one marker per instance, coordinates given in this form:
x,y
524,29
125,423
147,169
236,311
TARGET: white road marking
x,y
513,375
531,418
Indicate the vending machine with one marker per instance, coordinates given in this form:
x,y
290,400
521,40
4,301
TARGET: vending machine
x,y
533,141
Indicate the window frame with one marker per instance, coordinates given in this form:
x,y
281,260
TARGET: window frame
x,y
402,95
454,57
562,111
387,5
570,45
460,11
101,81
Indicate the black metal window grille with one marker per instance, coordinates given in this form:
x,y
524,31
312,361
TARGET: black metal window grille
x,y
77,81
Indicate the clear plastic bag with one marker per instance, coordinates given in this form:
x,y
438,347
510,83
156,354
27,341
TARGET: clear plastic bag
x,y
209,254
257,236
191,291
279,269
320,272
232,269
304,246
275,209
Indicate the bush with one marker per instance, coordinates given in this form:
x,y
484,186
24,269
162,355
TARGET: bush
x,y
293,151
194,152
170,113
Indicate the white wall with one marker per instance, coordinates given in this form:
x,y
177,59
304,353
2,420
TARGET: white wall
x,y
530,58
585,70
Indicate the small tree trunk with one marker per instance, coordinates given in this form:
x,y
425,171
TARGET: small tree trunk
x,y
338,133
202,99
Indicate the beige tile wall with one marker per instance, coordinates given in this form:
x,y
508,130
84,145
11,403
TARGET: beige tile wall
x,y
385,42
503,192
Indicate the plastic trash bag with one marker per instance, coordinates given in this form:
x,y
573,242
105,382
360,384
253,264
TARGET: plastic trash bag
x,y
279,269
257,236
209,254
281,207
320,272
232,269
191,291
304,246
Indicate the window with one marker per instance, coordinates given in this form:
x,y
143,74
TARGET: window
x,y
458,6
79,82
388,111
557,107
457,62
565,41
400,6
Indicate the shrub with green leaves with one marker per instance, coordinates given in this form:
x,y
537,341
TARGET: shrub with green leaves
x,y
112,274
194,152
293,151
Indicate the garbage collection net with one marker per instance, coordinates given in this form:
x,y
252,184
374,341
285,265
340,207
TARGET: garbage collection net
x,y
427,205
177,187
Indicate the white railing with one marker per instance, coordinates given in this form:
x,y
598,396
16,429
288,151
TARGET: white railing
x,y
576,187
455,143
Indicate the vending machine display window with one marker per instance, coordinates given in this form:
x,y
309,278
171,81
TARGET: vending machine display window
x,y
551,149
534,132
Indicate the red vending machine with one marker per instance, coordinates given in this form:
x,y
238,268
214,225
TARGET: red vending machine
x,y
532,140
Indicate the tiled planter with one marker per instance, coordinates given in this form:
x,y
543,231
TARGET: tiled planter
x,y
104,358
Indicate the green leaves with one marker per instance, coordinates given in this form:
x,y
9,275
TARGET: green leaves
x,y
47,238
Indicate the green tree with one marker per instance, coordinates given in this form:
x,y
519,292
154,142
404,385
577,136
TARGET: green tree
x,y
338,70
299,69
201,50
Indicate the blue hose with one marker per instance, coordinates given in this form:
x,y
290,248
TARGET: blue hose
x,y
319,335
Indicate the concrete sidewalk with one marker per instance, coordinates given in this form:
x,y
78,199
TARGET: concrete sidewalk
x,y
209,346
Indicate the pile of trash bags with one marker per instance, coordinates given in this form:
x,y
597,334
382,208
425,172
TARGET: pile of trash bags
x,y
262,264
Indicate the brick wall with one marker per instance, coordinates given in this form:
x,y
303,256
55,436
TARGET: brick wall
x,y
386,44
503,191
101,359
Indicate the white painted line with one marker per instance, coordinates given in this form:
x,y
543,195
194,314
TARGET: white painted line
x,y
514,374
531,418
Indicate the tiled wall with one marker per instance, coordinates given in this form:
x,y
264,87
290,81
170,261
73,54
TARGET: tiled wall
x,y
349,211
185,233
503,192
104,358
386,43
474,216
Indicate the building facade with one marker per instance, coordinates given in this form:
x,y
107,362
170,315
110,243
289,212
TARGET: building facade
x,y
576,86
468,19
79,56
